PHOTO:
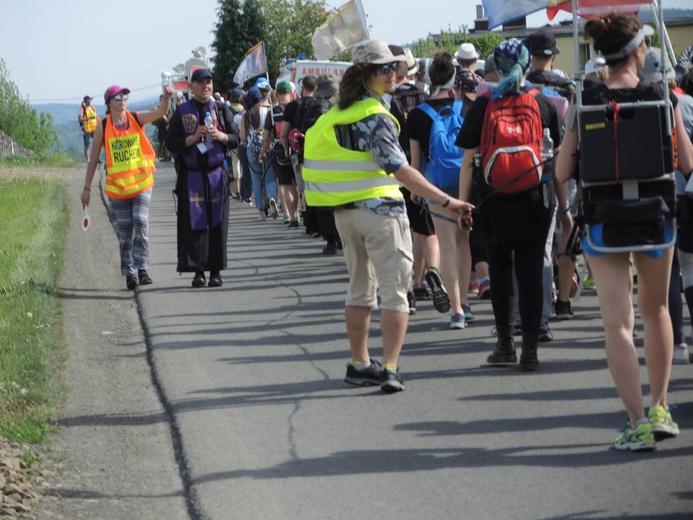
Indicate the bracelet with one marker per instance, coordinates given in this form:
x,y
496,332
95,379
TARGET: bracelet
x,y
86,189
561,209
447,203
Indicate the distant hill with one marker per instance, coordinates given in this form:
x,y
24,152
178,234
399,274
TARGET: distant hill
x,y
65,121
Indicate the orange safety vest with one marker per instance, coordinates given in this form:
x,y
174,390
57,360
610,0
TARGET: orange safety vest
x,y
129,160
89,112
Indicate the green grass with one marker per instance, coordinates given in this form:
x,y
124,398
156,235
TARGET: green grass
x,y
49,159
34,216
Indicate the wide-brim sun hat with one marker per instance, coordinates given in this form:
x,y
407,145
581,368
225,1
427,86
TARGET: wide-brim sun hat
x,y
375,52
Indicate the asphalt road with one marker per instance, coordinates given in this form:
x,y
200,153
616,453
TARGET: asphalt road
x,y
253,420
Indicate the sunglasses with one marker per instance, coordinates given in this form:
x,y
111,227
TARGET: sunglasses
x,y
120,97
384,70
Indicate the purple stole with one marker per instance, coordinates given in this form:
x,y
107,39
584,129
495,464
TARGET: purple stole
x,y
204,214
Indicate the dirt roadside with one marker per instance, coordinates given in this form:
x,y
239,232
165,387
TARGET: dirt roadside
x,y
111,456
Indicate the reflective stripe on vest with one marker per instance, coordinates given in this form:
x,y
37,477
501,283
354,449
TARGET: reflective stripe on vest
x,y
334,175
129,160
90,124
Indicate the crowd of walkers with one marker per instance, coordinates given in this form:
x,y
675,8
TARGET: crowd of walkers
x,y
437,180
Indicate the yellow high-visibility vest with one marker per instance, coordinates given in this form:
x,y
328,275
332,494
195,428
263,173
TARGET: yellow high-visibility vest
x,y
334,175
90,124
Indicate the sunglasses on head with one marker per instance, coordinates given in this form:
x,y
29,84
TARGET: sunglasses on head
x,y
384,70
120,97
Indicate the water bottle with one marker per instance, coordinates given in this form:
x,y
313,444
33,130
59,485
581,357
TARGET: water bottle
x,y
547,152
209,123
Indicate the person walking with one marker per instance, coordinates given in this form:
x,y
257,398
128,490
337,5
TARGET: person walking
x,y
87,123
621,40
202,186
353,163
515,223
129,180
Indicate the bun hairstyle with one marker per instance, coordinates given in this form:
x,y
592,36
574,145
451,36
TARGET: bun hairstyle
x,y
441,68
611,33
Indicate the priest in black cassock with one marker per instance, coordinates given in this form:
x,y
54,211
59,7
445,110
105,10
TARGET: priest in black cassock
x,y
202,186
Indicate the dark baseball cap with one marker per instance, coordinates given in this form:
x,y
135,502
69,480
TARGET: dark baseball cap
x,y
542,43
201,74
88,98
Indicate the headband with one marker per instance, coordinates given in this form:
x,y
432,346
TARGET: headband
x,y
449,85
629,48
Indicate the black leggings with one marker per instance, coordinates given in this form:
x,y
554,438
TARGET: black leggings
x,y
528,259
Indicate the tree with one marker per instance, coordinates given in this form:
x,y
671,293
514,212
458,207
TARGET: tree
x,y
450,41
240,26
20,121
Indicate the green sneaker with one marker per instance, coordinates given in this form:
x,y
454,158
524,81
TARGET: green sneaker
x,y
663,426
639,438
588,283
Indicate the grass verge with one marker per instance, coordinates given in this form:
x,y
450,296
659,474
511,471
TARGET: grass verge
x,y
45,159
35,215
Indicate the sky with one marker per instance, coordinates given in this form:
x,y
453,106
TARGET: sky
x,y
60,51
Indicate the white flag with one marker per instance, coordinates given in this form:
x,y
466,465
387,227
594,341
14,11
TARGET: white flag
x,y
342,30
254,64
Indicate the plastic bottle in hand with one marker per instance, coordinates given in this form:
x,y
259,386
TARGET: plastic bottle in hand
x,y
209,123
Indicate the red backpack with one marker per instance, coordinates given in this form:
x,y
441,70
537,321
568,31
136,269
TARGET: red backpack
x,y
511,143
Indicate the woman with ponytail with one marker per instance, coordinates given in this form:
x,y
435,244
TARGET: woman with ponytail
x,y
515,224
621,41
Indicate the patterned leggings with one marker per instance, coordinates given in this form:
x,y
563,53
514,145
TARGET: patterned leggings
x,y
132,218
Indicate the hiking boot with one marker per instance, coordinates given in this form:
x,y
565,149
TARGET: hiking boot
x,y
273,210
199,280
661,423
391,382
504,354
563,310
441,301
421,293
144,277
411,299
485,289
330,249
681,355
131,282
529,361
215,279
369,376
639,438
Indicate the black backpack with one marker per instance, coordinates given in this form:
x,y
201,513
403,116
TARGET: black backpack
x,y
310,109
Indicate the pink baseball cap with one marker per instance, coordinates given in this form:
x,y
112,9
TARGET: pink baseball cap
x,y
112,91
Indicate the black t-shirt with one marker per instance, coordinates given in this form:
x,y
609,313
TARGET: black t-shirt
x,y
290,111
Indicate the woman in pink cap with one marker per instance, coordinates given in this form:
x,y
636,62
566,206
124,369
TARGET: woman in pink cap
x,y
129,179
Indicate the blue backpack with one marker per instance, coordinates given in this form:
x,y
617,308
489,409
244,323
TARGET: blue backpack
x,y
445,158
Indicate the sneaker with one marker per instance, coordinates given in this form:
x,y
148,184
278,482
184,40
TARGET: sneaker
x,y
314,234
274,211
457,321
215,280
485,289
143,277
545,334
330,249
421,293
588,283
286,219
441,302
412,303
563,310
199,280
473,287
293,224
369,376
502,355
661,423
468,314
681,355
391,382
639,438
131,282
261,218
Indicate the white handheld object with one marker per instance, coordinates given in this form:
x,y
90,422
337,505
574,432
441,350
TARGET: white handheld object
x,y
86,220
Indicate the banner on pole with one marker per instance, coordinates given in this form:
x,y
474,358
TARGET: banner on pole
x,y
345,28
254,64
